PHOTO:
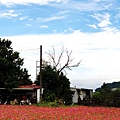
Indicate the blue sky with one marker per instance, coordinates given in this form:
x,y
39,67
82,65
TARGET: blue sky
x,y
90,28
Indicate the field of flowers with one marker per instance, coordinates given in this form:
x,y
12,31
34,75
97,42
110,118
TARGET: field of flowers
x,y
9,112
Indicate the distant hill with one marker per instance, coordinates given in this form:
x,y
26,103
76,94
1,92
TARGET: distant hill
x,y
111,85
114,85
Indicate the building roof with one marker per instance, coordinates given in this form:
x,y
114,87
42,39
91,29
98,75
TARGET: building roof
x,y
33,86
26,87
74,88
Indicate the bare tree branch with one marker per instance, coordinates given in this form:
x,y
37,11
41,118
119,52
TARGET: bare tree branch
x,y
60,57
68,64
51,55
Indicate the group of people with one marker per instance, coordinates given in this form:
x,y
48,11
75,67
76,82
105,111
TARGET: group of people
x,y
25,102
15,102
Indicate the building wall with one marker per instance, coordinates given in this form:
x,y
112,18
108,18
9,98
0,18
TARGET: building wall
x,y
75,97
84,94
38,95
91,94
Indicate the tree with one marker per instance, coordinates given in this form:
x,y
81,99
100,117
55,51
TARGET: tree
x,y
55,84
105,91
10,66
116,94
105,94
111,85
57,62
116,97
24,78
97,95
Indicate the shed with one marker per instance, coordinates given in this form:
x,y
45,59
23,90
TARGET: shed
x,y
31,92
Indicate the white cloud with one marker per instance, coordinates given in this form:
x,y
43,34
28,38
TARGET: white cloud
x,y
11,2
44,26
104,23
104,20
22,18
9,14
11,11
65,31
101,0
54,31
53,18
111,29
70,29
99,53
93,26
91,5
96,0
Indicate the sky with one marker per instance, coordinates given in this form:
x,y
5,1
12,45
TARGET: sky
x,y
88,28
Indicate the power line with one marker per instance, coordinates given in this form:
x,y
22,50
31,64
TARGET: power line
x,y
29,49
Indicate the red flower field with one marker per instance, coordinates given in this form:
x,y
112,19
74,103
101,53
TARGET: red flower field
x,y
9,112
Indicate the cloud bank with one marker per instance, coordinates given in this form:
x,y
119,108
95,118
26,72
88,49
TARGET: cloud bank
x,y
24,2
99,53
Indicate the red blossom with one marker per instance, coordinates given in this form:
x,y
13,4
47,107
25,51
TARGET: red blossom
x,y
9,112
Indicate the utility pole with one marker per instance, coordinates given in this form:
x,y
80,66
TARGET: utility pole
x,y
40,73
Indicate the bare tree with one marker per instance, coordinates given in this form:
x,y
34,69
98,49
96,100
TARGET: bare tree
x,y
57,60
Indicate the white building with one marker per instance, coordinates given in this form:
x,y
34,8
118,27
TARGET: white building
x,y
81,94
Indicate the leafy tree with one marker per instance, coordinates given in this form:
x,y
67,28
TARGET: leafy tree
x,y
111,85
116,97
116,94
105,91
55,84
109,94
105,95
114,85
97,95
10,66
24,78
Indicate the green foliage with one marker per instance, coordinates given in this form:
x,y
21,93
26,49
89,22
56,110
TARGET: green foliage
x,y
111,85
116,93
24,78
97,95
48,104
107,97
49,95
55,103
117,103
105,92
114,85
55,85
10,66
116,97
